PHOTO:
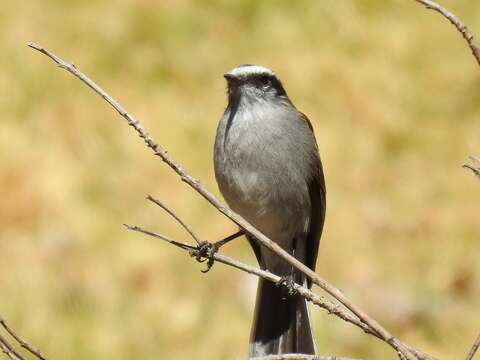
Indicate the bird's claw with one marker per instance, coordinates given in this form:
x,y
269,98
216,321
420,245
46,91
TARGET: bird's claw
x,y
205,252
289,284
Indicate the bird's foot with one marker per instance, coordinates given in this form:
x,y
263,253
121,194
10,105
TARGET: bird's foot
x,y
205,252
289,283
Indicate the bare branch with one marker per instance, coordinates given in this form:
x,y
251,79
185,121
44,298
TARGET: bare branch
x,y
181,245
172,214
21,341
473,349
474,166
236,218
9,350
461,27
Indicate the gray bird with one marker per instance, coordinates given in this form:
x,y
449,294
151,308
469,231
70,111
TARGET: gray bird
x,y
269,171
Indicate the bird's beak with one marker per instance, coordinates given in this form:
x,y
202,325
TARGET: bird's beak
x,y
230,77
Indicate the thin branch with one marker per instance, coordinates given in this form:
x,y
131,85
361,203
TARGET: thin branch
x,y
461,27
9,350
21,341
181,245
474,166
236,218
172,214
473,349
299,357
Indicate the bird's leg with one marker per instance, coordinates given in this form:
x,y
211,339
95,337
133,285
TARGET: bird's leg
x,y
207,249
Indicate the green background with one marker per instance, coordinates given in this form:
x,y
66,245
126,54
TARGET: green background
x,y
392,91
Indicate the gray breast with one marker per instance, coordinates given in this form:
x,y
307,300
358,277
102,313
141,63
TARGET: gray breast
x,y
264,159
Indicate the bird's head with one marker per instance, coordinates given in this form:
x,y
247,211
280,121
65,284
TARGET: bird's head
x,y
253,82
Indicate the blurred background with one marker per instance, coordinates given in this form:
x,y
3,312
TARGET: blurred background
x,y
393,93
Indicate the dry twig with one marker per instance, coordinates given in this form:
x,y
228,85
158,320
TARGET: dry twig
x,y
473,349
172,214
9,350
22,342
474,166
461,27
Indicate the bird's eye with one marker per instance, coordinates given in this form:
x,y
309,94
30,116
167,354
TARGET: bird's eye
x,y
265,80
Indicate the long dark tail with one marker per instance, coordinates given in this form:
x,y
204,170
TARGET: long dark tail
x,y
281,323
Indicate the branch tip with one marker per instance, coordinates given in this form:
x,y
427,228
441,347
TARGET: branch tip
x,y
34,46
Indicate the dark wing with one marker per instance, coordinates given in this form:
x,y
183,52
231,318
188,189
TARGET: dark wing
x,y
317,191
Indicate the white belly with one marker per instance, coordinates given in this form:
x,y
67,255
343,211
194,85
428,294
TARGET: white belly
x,y
262,169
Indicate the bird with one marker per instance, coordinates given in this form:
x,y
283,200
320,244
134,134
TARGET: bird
x,y
268,169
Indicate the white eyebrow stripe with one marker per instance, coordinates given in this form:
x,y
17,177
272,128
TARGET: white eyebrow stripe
x,y
251,70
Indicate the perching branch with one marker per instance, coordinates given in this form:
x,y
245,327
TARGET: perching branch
x,y
236,218
461,27
320,301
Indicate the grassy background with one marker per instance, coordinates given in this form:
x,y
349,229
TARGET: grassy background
x,y
393,94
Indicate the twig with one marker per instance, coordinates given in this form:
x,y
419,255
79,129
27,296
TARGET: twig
x,y
22,342
299,357
181,245
475,166
461,27
473,349
172,214
476,171
9,350
236,218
